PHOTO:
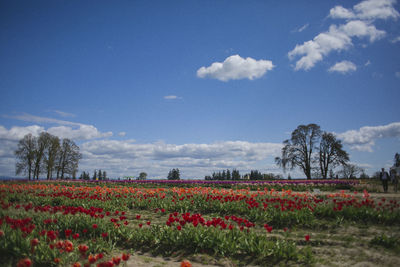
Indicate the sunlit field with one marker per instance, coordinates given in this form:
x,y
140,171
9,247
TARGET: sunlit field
x,y
231,224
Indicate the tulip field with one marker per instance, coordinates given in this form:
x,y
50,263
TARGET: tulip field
x,y
75,223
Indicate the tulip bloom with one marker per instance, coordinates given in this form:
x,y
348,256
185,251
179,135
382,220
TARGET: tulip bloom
x,y
186,263
125,257
307,237
83,249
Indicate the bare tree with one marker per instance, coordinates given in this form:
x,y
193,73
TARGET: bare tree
x,y
42,144
51,154
331,153
69,158
25,154
298,150
350,171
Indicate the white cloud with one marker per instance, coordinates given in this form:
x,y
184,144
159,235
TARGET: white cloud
x,y
339,12
364,138
358,28
64,114
37,119
16,133
122,134
67,129
397,74
302,28
337,38
367,63
343,67
161,151
367,10
235,68
83,132
172,97
194,159
396,40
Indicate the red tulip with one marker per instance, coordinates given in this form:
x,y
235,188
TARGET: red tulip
x,y
68,232
34,242
125,257
186,263
24,263
83,249
307,237
116,260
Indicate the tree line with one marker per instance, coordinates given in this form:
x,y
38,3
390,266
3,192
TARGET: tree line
x,y
235,175
174,174
97,175
47,154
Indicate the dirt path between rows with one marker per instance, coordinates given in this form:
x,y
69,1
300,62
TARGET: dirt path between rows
x,y
390,195
148,260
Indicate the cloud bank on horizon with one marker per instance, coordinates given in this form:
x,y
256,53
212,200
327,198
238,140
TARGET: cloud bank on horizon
x,y
124,156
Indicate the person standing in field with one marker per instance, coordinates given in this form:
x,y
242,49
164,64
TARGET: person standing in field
x,y
384,176
394,176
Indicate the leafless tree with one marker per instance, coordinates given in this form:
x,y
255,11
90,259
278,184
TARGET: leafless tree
x,y
298,150
331,153
350,171
25,154
69,159
51,154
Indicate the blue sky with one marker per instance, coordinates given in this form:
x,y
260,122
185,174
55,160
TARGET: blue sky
x,y
199,85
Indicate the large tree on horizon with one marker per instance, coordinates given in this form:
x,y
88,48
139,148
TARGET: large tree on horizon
x,y
298,150
69,158
51,153
25,154
45,154
311,149
331,153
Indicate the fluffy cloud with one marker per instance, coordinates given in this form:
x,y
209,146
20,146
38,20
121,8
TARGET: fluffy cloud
x,y
364,138
235,68
161,151
83,132
16,133
367,10
343,67
339,12
67,129
337,38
